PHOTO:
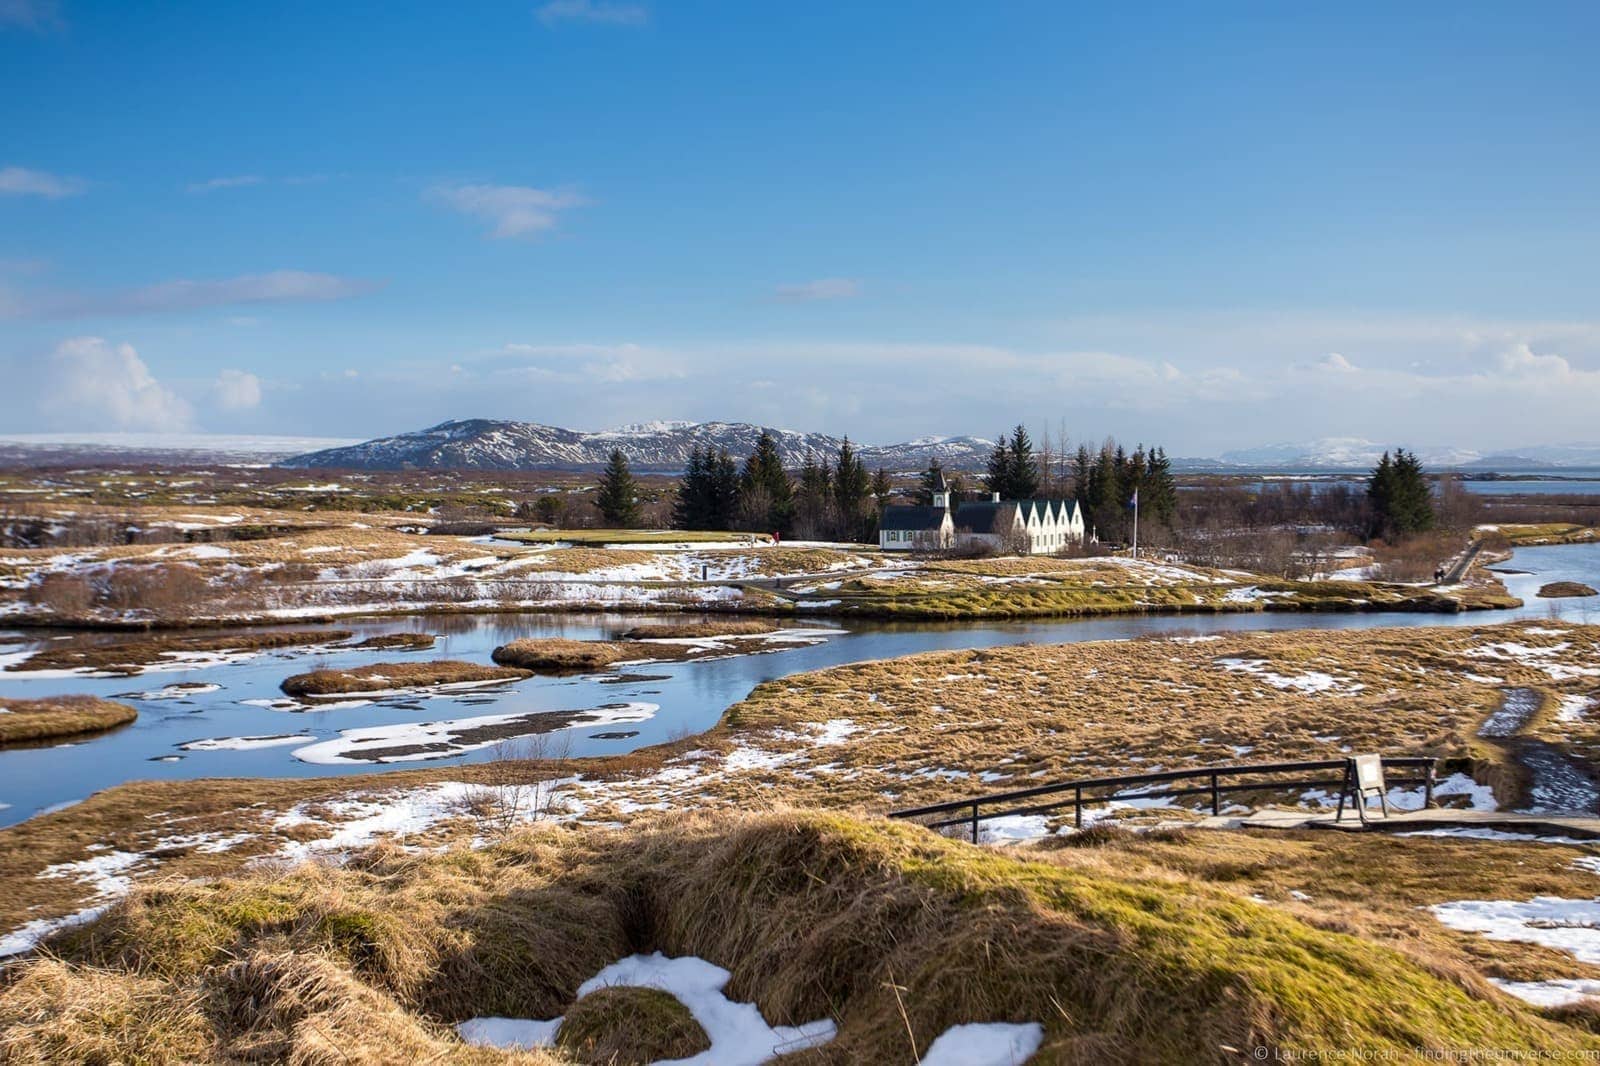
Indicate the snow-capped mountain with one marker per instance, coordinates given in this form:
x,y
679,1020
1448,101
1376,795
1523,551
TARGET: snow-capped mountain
x,y
488,444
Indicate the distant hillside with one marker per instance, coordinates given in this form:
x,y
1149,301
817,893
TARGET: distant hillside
x,y
488,444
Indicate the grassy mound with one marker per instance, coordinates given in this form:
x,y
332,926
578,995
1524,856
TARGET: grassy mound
x,y
383,676
407,641
25,721
131,656
559,655
726,627
891,931
1565,589
626,1026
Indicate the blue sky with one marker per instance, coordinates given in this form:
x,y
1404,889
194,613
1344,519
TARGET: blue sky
x,y
1209,225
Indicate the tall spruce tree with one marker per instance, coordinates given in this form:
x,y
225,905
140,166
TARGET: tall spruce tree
x,y
882,487
766,496
691,509
998,475
1398,494
723,492
813,499
1082,476
850,488
931,479
618,498
1023,467
1161,498
1105,495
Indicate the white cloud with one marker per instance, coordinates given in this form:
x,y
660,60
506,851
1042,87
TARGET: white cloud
x,y
512,210
90,382
1336,362
278,286
598,12
35,15
236,182
821,289
20,181
236,390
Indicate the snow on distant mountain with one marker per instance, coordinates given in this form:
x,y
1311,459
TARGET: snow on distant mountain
x,y
1340,453
488,444
204,447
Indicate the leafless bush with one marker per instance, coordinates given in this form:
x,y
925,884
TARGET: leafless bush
x,y
519,782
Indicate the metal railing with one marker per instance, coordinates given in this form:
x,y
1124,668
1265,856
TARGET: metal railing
x,y
1216,781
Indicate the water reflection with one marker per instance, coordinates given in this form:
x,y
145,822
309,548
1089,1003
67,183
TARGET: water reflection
x,y
691,695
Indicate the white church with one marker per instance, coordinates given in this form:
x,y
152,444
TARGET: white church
x,y
1028,527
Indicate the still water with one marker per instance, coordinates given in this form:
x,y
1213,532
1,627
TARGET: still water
x,y
691,696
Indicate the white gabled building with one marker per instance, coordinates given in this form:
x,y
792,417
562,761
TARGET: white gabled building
x,y
1027,527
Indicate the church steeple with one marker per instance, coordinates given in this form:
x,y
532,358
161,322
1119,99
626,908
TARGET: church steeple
x,y
941,491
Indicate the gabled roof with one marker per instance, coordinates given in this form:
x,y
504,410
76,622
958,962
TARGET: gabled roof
x,y
904,517
984,516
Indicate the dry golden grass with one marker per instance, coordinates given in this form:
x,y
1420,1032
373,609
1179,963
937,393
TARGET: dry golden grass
x,y
1528,534
559,655
129,657
410,641
1565,589
716,627
628,1026
26,721
894,933
387,676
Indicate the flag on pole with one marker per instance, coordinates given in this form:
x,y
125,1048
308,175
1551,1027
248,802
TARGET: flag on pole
x,y
1135,501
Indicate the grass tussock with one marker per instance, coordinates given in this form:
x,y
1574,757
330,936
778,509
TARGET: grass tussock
x,y
130,657
630,1026
894,933
27,721
402,641
1565,589
723,627
385,676
556,654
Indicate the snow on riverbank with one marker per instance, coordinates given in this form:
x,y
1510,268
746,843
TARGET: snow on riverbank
x,y
418,741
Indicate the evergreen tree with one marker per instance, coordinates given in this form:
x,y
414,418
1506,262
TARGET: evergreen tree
x,y
766,499
1105,495
723,491
813,499
998,475
1023,468
691,509
930,482
1160,499
850,488
882,487
1398,494
1082,476
618,498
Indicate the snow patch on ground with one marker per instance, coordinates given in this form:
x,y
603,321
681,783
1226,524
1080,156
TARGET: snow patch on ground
x,y
442,740
1312,681
739,1035
985,1044
1570,925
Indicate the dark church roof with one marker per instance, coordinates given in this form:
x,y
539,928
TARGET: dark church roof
x,y
903,517
981,516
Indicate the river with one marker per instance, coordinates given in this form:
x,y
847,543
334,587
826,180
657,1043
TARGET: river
x,y
690,696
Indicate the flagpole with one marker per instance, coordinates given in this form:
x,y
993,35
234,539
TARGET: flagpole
x,y
1136,523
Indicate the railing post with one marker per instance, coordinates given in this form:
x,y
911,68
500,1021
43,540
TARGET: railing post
x,y
1077,808
1427,784
974,822
1216,795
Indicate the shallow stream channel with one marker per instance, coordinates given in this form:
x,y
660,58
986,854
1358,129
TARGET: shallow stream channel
x,y
228,718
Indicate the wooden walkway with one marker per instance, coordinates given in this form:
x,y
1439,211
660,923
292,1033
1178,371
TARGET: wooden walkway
x,y
1578,826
